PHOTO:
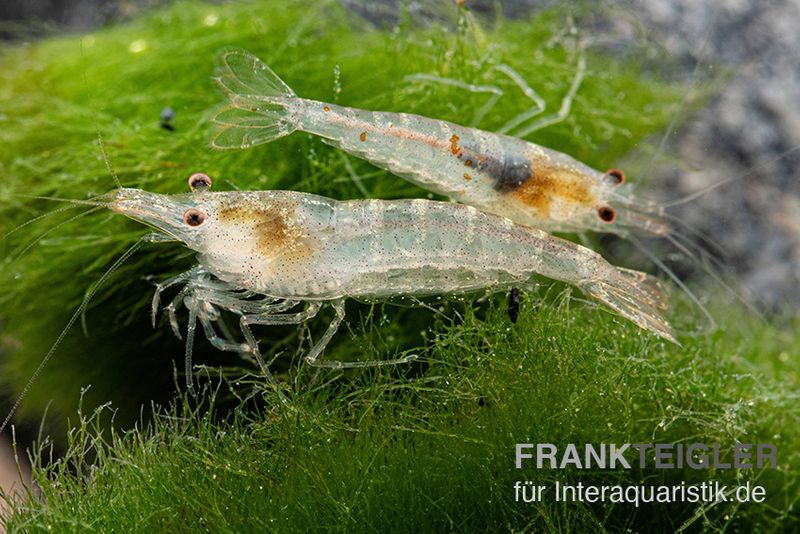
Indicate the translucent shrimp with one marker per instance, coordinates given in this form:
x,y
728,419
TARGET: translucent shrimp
x,y
530,184
263,253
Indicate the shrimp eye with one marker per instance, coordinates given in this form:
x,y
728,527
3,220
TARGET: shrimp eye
x,y
194,217
607,214
617,175
199,181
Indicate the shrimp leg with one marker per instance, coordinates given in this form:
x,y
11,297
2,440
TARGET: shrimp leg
x,y
301,317
173,307
197,308
192,295
166,284
224,344
316,350
251,307
225,340
495,92
190,328
272,319
197,311
560,115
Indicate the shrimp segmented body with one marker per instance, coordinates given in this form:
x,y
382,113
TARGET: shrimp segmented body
x,y
530,184
290,248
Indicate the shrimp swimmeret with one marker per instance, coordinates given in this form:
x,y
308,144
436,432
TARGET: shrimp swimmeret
x,y
530,184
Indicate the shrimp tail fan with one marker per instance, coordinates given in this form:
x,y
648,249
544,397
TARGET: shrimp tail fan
x,y
257,100
635,295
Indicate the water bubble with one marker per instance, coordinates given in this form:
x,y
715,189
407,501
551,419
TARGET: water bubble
x,y
337,81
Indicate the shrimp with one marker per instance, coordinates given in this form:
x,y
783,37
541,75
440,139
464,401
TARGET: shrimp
x,y
530,184
278,257
285,248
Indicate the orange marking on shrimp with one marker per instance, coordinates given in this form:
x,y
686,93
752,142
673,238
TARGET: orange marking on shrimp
x,y
546,184
363,136
411,135
326,108
401,133
275,234
467,177
454,148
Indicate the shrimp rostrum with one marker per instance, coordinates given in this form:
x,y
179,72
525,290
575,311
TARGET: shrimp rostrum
x,y
263,253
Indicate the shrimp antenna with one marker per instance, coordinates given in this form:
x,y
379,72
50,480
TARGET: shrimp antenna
x,y
90,202
700,236
37,218
77,202
97,128
712,261
105,158
707,189
22,250
675,278
684,100
683,247
89,295
41,236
